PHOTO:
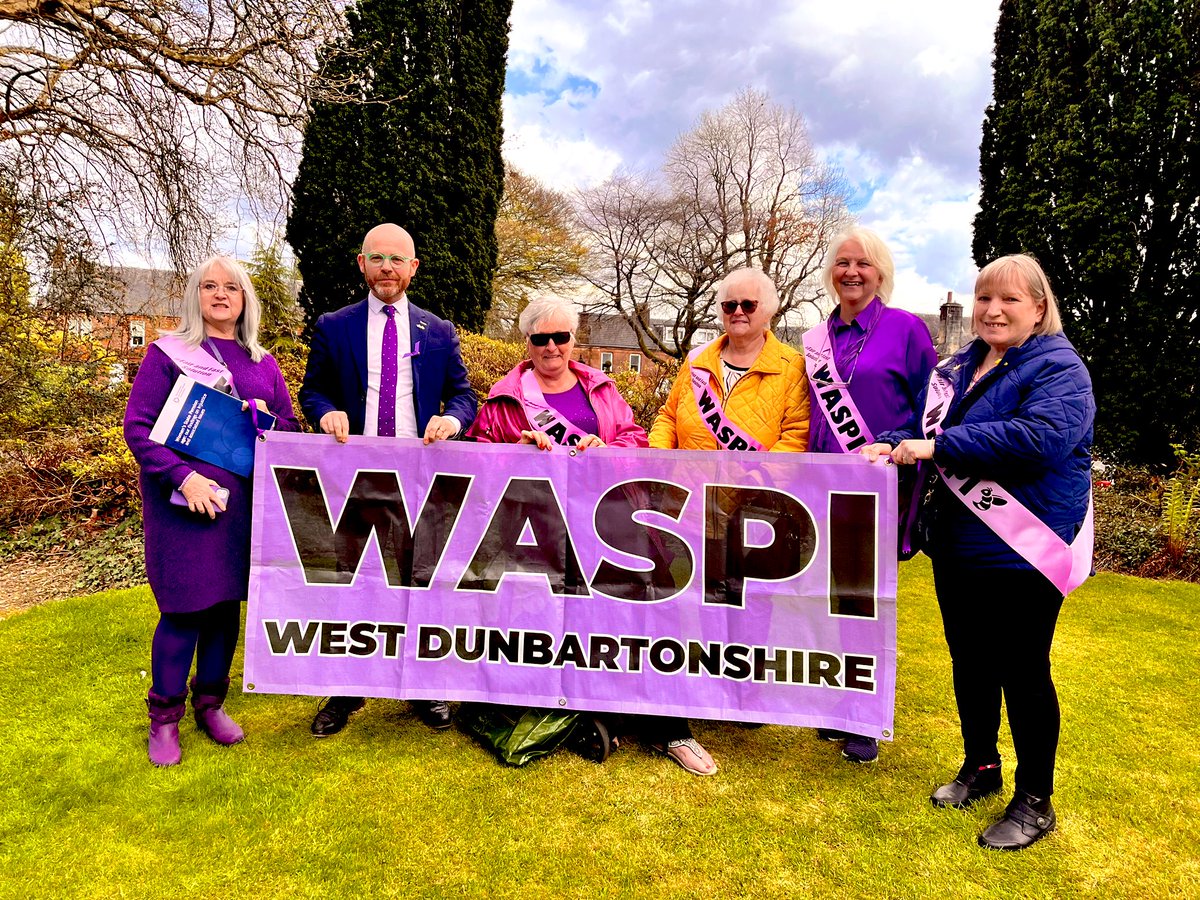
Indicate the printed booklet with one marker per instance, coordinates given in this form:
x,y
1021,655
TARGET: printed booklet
x,y
210,425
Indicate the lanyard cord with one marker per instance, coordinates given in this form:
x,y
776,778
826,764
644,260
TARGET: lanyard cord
x,y
251,406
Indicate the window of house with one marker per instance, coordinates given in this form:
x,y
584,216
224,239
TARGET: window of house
x,y
137,334
116,373
606,361
635,362
80,327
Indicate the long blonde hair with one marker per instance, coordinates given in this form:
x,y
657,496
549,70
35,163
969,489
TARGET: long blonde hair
x,y
191,320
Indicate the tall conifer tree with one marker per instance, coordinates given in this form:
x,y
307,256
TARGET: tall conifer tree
x,y
1090,161
423,151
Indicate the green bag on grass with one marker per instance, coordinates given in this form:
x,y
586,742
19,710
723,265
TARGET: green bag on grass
x,y
519,735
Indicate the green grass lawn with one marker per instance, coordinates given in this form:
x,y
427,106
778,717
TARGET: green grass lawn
x,y
389,808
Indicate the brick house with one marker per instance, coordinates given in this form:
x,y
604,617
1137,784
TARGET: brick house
x,y
608,343
131,309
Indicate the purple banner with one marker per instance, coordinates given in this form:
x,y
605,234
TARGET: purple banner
x,y
755,587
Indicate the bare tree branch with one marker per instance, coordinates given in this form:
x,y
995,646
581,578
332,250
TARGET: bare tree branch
x,y
152,116
743,187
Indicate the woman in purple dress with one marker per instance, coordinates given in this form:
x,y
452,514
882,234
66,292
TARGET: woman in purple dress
x,y
198,547
866,364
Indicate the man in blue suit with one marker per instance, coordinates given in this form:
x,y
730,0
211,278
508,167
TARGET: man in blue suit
x,y
385,367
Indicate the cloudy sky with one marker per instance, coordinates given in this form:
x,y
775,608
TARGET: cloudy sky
x,y
893,93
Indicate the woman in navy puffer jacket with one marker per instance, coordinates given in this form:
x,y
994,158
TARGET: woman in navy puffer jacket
x,y
1014,441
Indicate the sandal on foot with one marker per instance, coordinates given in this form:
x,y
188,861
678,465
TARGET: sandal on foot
x,y
690,755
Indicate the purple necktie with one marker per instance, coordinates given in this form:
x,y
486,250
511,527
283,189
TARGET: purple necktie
x,y
388,375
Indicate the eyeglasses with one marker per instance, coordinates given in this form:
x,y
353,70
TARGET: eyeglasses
x,y
230,287
729,307
542,338
378,259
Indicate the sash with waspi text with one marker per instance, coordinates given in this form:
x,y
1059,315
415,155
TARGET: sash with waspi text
x,y
543,417
195,363
728,435
833,394
1066,565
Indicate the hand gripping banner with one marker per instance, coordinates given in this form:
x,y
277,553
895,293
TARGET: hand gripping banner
x,y
753,587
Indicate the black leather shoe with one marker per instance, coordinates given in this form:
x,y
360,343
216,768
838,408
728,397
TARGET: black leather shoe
x,y
331,717
969,785
434,713
1027,820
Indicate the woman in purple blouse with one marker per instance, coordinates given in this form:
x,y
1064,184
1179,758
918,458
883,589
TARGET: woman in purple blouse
x,y
866,364
198,547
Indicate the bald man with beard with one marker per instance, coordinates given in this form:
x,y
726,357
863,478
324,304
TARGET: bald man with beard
x,y
384,367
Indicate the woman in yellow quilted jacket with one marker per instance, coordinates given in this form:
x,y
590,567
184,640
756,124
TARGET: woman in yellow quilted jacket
x,y
744,391
745,388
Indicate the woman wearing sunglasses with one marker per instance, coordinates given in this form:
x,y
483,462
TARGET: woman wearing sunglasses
x,y
554,402
743,391
550,399
867,364
755,382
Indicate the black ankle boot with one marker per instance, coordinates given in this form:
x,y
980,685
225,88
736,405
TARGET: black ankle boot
x,y
972,783
1027,820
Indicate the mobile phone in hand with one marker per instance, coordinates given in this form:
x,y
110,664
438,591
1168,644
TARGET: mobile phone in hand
x,y
177,498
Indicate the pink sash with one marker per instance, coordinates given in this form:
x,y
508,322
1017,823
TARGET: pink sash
x,y
1066,565
845,421
195,363
543,417
728,435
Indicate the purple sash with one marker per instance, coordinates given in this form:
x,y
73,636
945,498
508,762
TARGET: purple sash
x,y
728,435
543,417
1066,565
845,421
195,363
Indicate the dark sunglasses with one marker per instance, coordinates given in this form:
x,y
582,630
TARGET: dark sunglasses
x,y
542,338
729,307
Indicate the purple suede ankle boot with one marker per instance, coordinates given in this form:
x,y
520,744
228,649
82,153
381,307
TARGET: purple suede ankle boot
x,y
165,713
208,704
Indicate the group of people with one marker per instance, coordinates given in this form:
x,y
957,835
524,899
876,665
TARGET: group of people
x,y
1010,412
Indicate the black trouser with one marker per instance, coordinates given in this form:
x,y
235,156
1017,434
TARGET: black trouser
x,y
999,625
662,729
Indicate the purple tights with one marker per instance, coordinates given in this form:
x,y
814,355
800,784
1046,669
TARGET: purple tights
x,y
211,635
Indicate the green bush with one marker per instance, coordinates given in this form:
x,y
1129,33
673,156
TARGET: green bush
x,y
488,360
1180,496
647,393
84,472
1131,533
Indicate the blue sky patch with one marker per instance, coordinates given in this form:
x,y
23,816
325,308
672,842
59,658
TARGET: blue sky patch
x,y
541,79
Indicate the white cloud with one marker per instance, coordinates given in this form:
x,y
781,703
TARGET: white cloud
x,y
540,144
927,221
894,95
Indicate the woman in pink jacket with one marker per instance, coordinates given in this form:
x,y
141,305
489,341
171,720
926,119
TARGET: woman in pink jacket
x,y
550,398
553,401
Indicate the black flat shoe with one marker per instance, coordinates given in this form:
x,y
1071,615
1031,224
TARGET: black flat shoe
x,y
1027,820
331,717
434,713
972,783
